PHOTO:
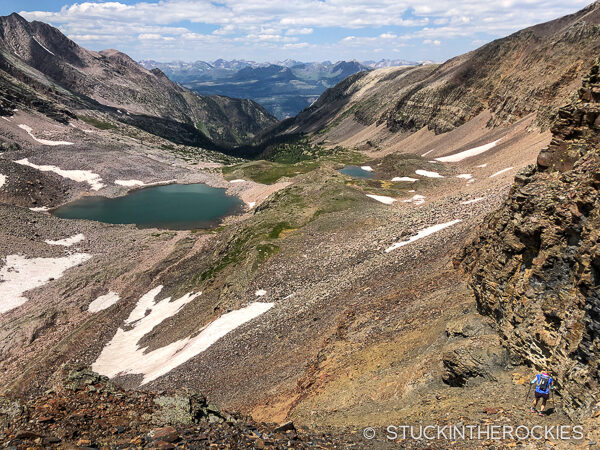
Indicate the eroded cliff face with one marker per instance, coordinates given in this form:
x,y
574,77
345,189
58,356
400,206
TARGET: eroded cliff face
x,y
531,71
535,265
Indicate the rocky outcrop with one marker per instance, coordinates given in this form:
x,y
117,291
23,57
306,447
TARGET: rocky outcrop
x,y
84,409
535,266
530,71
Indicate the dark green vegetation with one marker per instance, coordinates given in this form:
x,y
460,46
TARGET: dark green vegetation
x,y
174,206
321,199
278,221
291,159
102,125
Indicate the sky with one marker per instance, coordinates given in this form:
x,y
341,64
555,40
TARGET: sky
x,y
305,30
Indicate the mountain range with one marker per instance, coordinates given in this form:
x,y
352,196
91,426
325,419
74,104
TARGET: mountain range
x,y
284,88
111,84
412,248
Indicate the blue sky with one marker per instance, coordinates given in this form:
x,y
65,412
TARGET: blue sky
x,y
308,30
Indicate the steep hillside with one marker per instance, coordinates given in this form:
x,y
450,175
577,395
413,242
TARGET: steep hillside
x,y
536,265
110,78
529,72
333,297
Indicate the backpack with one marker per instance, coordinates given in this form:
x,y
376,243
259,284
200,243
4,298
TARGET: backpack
x,y
543,383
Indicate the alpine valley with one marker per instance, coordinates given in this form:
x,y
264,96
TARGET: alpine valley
x,y
454,256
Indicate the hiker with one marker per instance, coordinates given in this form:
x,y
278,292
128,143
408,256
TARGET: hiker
x,y
544,383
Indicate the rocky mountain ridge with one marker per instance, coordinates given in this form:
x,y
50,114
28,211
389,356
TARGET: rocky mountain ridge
x,y
535,266
110,81
284,88
529,72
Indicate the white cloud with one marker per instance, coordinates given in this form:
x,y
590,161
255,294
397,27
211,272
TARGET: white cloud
x,y
252,25
149,36
432,42
291,31
296,46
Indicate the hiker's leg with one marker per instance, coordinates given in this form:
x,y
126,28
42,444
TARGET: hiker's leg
x,y
534,405
543,404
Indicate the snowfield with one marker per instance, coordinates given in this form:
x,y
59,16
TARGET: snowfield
x,y
122,355
468,153
2,180
103,302
43,46
500,172
367,168
21,274
129,183
421,234
67,242
407,179
416,199
428,174
29,131
470,202
81,176
465,176
382,199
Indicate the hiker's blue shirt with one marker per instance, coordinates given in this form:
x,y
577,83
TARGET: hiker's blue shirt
x,y
537,380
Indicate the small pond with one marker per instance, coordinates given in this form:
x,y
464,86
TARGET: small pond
x,y
174,206
356,172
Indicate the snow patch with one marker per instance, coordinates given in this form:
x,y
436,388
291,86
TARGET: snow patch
x,y
43,46
260,293
67,242
475,200
251,204
465,176
81,176
42,141
238,181
416,199
407,179
423,233
130,183
427,153
122,355
103,302
469,153
20,275
367,168
2,180
382,199
40,209
481,166
428,174
500,172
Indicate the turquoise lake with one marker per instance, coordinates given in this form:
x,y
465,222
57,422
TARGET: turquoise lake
x,y
174,206
356,172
